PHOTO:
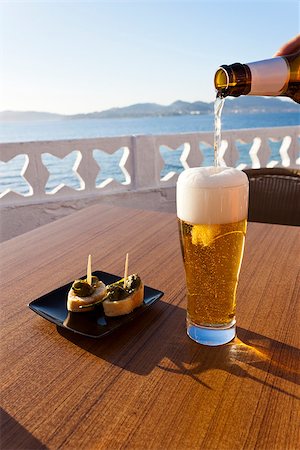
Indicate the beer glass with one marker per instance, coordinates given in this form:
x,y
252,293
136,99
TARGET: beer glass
x,y
212,206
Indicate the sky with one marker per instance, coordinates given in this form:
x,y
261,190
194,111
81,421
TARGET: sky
x,y
73,57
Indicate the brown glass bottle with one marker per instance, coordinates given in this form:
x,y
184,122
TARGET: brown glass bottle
x,y
272,77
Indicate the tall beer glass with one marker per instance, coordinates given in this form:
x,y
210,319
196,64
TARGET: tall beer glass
x,y
212,206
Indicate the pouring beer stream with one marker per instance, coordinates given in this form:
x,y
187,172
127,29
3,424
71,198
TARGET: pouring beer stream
x,y
218,106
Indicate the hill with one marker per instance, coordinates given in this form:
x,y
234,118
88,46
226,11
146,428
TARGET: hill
x,y
247,104
28,115
252,104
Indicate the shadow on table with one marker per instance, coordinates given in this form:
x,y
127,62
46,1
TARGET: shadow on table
x,y
158,339
14,436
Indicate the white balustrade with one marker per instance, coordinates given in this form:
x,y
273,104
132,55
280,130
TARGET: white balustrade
x,y
141,166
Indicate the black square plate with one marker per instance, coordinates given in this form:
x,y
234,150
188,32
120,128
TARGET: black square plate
x,y
53,307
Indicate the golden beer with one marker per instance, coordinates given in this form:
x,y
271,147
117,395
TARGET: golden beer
x,y
212,206
212,256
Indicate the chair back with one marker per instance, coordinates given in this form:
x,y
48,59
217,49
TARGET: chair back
x,y
274,195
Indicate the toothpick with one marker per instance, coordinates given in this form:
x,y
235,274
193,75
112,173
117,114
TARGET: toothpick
x,y
126,270
89,270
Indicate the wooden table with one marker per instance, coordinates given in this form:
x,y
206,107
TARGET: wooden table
x,y
148,386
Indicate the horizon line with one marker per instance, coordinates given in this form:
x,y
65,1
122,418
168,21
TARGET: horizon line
x,y
129,105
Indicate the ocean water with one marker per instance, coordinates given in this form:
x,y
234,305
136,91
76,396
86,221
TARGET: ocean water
x,y
92,128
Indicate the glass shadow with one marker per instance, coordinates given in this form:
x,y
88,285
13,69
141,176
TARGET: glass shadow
x,y
160,335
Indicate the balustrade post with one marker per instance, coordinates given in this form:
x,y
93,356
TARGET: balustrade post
x,y
146,162
294,150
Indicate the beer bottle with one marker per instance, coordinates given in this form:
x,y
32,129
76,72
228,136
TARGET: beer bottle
x,y
271,77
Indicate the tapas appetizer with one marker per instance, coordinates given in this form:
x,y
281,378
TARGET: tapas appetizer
x,y
118,298
86,293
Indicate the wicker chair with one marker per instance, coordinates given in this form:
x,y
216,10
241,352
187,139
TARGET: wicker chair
x,y
274,195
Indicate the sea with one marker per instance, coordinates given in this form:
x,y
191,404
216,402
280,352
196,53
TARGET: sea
x,y
42,130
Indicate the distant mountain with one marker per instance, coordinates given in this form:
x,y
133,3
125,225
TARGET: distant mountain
x,y
28,115
151,109
252,104
246,104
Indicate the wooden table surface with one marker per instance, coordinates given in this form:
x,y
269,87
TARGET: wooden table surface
x,y
148,386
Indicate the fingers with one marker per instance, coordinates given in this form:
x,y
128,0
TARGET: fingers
x,y
290,47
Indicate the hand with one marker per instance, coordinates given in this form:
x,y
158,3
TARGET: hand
x,y
290,47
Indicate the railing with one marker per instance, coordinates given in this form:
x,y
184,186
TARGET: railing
x,y
69,171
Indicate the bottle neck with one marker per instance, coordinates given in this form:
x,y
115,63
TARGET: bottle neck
x,y
233,80
268,77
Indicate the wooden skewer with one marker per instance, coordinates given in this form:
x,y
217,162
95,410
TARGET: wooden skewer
x,y
89,270
125,271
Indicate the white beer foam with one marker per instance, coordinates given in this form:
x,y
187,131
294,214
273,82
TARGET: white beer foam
x,y
212,195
